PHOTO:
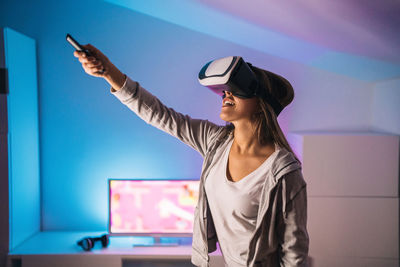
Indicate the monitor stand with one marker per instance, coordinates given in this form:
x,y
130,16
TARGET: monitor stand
x,y
161,243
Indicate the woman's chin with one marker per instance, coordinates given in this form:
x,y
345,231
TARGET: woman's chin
x,y
224,117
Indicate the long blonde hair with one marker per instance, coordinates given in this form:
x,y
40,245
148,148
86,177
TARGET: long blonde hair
x,y
267,127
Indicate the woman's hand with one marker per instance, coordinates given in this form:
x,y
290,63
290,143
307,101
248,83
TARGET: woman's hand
x,y
94,65
99,65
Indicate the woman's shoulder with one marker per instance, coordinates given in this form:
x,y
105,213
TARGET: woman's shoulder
x,y
284,162
220,138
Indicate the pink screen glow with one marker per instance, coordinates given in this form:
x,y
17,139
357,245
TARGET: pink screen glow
x,y
152,206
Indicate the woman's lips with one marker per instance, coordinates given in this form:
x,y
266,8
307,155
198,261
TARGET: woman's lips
x,y
228,103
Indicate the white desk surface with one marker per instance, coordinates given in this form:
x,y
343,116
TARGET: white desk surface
x,y
64,243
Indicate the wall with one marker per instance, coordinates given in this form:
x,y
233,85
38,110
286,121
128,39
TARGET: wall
x,y
385,106
88,136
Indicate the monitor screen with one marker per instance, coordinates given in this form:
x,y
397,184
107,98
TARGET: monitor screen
x,y
152,206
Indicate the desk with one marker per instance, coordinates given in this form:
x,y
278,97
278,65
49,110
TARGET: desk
x,y
49,249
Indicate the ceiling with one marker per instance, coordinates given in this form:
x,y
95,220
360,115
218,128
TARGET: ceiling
x,y
362,27
357,38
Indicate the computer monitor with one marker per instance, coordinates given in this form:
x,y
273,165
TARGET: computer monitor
x,y
152,207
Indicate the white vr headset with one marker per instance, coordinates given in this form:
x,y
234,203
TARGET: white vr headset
x,y
233,74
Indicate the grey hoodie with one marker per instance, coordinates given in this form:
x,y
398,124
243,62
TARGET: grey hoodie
x,y
281,237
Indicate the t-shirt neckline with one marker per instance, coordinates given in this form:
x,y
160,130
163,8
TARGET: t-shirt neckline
x,y
226,158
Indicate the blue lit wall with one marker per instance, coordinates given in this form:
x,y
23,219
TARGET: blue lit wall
x,y
88,136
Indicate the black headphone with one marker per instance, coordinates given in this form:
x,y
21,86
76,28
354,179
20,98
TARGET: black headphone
x,y
87,243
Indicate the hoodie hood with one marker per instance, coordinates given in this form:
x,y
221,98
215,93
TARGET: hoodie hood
x,y
283,163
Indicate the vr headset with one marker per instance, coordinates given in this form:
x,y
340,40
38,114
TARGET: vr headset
x,y
233,74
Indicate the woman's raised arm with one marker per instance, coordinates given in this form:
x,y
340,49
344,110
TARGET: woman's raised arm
x,y
193,132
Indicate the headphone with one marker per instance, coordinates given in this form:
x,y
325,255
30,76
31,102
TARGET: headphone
x,y
87,243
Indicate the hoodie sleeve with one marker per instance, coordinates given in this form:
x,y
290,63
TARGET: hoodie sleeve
x,y
193,132
293,235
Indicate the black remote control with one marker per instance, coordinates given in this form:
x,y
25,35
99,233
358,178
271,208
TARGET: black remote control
x,y
79,48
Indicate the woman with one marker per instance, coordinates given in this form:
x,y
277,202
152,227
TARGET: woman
x,y
252,195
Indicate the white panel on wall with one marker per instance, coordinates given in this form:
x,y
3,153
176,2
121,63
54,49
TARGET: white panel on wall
x,y
354,227
353,197
349,165
323,261
23,136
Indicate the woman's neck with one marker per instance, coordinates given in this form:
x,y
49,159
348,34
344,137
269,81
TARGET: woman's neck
x,y
246,141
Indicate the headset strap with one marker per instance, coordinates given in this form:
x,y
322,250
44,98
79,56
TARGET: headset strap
x,y
273,102
263,93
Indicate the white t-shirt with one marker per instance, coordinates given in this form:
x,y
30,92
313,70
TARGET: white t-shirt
x,y
234,207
